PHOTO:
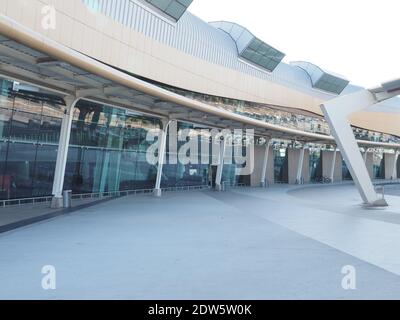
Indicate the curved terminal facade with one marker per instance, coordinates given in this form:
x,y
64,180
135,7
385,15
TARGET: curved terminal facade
x,y
84,81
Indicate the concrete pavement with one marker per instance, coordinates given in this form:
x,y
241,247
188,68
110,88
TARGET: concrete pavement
x,y
242,244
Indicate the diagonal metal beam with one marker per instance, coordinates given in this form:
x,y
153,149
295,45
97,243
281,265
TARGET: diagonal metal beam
x,y
336,113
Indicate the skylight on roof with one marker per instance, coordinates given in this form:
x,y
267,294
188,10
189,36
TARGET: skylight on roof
x,y
173,8
322,79
250,47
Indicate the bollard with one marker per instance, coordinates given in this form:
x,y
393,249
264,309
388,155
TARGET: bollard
x,y
67,199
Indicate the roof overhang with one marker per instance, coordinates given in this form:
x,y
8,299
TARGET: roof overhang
x,y
32,58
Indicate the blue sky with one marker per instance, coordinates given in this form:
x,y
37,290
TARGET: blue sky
x,y
355,38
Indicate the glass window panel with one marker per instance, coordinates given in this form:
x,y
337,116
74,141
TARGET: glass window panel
x,y
263,55
280,166
6,101
27,105
193,175
131,138
186,3
176,10
74,171
5,123
161,4
5,181
115,138
346,175
128,170
50,130
25,126
169,177
145,173
20,169
54,111
114,171
255,44
264,50
94,166
44,170
247,54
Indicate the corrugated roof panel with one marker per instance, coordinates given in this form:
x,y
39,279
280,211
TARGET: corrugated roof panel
x,y
212,45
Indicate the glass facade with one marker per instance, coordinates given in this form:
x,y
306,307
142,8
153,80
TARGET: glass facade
x,y
398,168
29,134
281,165
107,149
346,175
286,117
378,166
316,166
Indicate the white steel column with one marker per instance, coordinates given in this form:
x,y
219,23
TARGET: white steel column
x,y
161,156
336,113
62,154
299,176
220,167
264,180
332,175
394,171
365,155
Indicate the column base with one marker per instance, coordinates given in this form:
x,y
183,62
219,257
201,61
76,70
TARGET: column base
x,y
218,187
263,184
381,203
157,193
57,203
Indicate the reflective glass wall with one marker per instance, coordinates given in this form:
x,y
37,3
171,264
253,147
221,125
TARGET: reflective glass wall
x,y
378,166
346,175
281,165
29,132
398,168
315,165
108,153
286,117
107,150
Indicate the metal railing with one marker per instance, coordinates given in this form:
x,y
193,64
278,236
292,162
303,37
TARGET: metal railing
x,y
119,194
99,195
24,201
227,185
380,189
386,182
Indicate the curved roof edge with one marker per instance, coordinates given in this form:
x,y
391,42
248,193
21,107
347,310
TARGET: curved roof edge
x,y
14,30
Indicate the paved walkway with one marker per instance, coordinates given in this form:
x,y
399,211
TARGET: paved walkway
x,y
12,217
281,243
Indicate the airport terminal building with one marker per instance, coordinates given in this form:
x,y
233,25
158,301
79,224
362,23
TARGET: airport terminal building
x,y
83,81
